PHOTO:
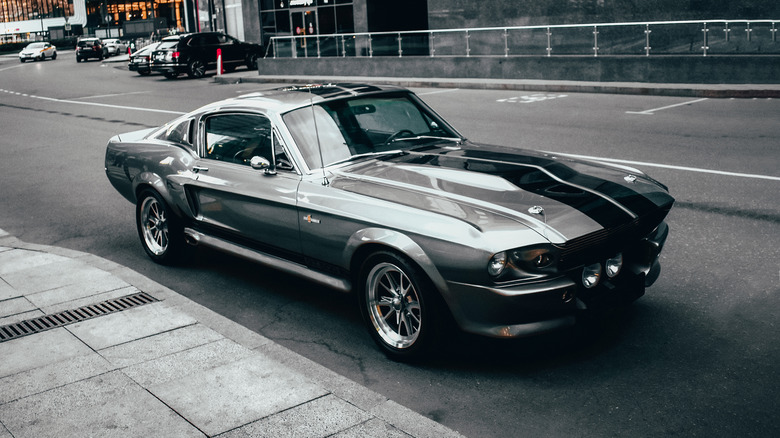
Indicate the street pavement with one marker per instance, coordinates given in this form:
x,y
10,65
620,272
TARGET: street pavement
x,y
82,355
97,363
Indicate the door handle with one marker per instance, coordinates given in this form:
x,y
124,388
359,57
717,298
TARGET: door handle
x,y
197,169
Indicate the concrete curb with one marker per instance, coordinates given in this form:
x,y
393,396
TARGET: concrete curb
x,y
376,408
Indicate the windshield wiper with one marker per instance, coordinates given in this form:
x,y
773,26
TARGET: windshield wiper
x,y
428,137
367,155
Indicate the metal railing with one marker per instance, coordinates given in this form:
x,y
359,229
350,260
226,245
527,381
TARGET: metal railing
x,y
699,38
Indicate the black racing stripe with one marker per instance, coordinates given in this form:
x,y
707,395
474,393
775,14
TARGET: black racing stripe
x,y
523,171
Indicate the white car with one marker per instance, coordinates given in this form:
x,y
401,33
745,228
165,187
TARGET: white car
x,y
38,52
115,46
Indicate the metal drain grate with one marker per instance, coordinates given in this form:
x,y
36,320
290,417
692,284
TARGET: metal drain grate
x,y
48,322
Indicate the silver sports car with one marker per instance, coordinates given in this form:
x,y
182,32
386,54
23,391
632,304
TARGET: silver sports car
x,y
366,189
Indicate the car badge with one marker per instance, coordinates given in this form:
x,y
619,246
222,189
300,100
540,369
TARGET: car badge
x,y
630,178
310,219
536,209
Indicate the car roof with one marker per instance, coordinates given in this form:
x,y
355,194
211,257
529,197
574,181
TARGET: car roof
x,y
286,99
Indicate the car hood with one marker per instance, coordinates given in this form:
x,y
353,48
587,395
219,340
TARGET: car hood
x,y
560,198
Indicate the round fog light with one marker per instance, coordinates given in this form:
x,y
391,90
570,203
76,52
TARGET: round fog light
x,y
591,275
613,265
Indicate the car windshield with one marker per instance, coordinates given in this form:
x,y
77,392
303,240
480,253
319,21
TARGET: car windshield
x,y
35,46
341,130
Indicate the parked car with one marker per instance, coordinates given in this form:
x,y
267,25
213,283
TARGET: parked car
x,y
115,46
38,52
366,189
140,60
90,48
196,53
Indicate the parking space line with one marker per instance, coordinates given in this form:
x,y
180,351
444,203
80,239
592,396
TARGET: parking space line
x,y
651,111
669,166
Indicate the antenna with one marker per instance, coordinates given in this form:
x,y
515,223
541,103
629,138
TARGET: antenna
x,y
325,181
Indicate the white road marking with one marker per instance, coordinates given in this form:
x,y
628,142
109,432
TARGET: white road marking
x,y
651,111
105,105
669,166
449,90
110,95
532,98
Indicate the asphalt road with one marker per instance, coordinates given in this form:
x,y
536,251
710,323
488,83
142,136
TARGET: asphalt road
x,y
697,356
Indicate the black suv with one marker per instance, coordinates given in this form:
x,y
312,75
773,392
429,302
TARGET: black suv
x,y
90,48
194,53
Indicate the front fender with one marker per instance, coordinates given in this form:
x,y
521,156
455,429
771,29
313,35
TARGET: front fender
x,y
399,242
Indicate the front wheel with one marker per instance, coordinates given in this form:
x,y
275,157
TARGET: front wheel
x,y
161,233
54,56
400,306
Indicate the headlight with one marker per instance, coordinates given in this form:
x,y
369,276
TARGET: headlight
x,y
591,275
614,265
497,264
535,258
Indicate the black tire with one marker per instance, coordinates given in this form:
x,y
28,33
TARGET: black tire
x,y
251,61
78,59
171,75
400,306
22,60
54,56
160,231
196,69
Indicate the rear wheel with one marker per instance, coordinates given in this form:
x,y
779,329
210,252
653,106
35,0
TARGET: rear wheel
x,y
54,56
251,61
400,306
161,233
196,69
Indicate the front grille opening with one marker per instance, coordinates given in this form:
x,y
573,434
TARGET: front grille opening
x,y
48,322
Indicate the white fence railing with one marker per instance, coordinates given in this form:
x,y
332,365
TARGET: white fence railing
x,y
699,38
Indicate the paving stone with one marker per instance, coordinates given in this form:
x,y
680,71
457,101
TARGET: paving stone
x,y
157,346
375,428
93,298
184,363
129,325
39,350
19,317
59,274
16,260
318,418
62,297
6,291
15,306
106,405
52,376
235,394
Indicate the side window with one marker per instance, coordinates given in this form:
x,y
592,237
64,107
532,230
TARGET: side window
x,y
178,132
236,138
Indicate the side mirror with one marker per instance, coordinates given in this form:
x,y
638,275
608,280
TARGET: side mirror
x,y
261,163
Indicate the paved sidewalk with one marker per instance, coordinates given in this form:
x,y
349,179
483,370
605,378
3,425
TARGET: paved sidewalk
x,y
166,367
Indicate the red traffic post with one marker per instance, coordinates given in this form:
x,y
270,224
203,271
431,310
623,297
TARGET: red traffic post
x,y
220,70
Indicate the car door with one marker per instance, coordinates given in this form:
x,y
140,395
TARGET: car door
x,y
232,54
232,199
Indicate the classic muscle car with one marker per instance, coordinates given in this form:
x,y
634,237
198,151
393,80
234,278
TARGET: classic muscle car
x,y
366,189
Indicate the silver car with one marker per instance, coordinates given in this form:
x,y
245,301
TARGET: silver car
x,y
367,190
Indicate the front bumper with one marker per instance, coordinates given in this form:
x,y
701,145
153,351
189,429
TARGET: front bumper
x,y
519,310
